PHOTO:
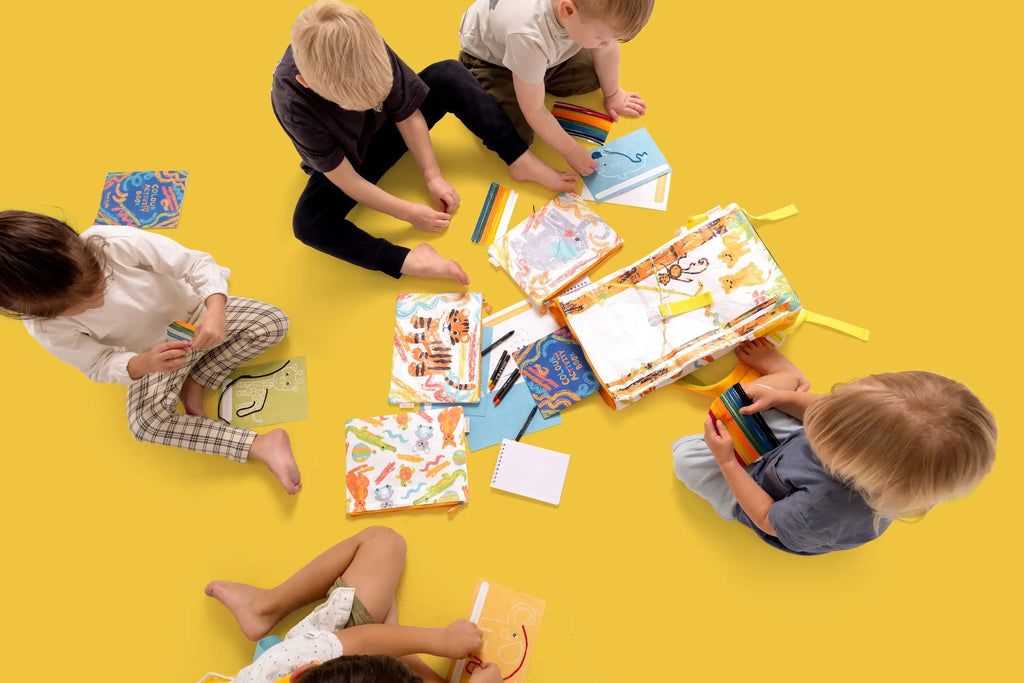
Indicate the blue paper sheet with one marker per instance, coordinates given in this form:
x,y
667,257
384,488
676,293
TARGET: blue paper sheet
x,y
625,163
489,423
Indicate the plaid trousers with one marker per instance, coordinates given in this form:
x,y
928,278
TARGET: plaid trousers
x,y
250,327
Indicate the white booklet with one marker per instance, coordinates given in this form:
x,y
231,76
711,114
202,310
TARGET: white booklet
x,y
530,471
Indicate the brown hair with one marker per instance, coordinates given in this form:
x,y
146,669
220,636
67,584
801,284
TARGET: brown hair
x,y
360,669
341,56
906,440
45,266
625,17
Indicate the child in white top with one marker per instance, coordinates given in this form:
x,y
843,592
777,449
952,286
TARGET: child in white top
x,y
102,301
360,618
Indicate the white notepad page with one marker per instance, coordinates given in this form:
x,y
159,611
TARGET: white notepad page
x,y
530,471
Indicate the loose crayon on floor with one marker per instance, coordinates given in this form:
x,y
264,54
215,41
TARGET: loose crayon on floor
x,y
498,369
506,387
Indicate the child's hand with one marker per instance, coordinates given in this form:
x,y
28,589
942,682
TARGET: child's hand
x,y
166,357
425,218
580,160
622,102
461,638
762,398
488,672
443,194
718,440
210,326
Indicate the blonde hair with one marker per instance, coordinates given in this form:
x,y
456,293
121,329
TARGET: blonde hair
x,y
341,56
625,17
905,440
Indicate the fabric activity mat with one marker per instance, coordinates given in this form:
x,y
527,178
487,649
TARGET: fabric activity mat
x,y
436,357
554,246
406,460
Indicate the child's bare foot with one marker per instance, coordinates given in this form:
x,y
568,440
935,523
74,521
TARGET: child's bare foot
x,y
762,356
424,261
241,599
529,168
274,449
192,397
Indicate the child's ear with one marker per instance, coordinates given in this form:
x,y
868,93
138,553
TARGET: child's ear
x,y
567,8
301,671
301,80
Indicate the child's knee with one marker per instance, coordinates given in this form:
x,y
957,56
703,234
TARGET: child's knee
x,y
384,539
690,457
447,73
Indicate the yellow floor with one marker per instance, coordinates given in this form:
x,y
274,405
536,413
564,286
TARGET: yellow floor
x,y
896,133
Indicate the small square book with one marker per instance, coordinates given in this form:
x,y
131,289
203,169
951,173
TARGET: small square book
x,y
556,371
554,246
406,460
142,199
436,355
530,471
751,435
625,163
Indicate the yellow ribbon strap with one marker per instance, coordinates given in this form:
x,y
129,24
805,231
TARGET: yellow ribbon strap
x,y
691,304
855,331
772,216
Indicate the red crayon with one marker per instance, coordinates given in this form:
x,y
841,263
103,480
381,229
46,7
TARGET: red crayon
x,y
506,387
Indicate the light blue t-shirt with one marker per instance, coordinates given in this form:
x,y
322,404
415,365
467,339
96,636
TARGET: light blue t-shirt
x,y
814,513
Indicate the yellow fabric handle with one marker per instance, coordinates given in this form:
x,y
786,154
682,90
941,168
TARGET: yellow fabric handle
x,y
772,216
855,331
691,304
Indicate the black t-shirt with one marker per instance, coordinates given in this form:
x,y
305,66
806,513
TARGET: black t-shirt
x,y
323,133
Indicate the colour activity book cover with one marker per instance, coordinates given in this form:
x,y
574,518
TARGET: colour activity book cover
x,y
436,355
142,199
556,371
625,163
265,394
554,246
510,621
406,460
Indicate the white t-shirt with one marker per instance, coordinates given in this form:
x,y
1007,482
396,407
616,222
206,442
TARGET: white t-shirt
x,y
523,35
310,640
153,281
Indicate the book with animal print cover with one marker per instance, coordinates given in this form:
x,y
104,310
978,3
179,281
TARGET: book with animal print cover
x,y
436,356
554,246
625,163
415,459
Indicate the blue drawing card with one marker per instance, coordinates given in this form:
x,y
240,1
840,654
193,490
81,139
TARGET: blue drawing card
x,y
142,199
489,423
625,163
556,371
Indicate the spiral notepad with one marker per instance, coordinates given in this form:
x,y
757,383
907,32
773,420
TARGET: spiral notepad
x,y
530,471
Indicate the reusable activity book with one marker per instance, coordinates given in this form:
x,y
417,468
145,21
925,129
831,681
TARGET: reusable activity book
x,y
143,199
692,300
556,371
496,213
436,356
510,621
751,435
625,163
650,195
554,246
582,123
406,460
265,394
530,471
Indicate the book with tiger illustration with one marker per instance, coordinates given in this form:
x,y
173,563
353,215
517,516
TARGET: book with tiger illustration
x,y
556,371
414,459
554,246
436,355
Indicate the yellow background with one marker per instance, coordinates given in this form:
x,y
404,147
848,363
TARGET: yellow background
x,y
894,127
